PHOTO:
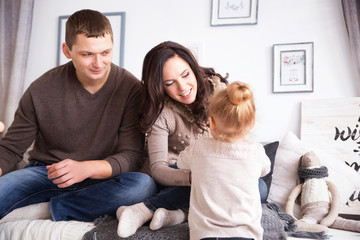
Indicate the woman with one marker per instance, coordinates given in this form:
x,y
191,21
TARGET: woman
x,y
176,96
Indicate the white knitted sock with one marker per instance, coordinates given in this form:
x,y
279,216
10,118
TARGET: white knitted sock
x,y
163,217
131,218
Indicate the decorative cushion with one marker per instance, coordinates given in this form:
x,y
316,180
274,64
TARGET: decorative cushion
x,y
270,150
285,176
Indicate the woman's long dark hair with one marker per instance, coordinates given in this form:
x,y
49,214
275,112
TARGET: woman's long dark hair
x,y
153,86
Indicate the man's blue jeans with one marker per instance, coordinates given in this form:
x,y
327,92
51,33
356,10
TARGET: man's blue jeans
x,y
84,201
173,198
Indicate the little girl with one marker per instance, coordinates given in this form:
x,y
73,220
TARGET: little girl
x,y
225,170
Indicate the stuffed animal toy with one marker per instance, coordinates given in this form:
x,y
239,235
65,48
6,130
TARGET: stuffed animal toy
x,y
319,199
2,127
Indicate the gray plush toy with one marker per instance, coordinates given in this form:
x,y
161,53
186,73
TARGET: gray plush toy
x,y
320,199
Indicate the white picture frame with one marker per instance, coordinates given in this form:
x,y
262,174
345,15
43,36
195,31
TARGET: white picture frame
x,y
234,12
117,20
293,66
197,49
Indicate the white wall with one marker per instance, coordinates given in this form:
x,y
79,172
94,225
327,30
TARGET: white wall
x,y
243,51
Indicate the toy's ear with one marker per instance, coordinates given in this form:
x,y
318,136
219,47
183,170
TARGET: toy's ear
x,y
300,161
299,179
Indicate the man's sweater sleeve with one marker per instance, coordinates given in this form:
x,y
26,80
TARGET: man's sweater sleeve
x,y
20,134
130,153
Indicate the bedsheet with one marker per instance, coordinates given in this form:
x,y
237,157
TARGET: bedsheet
x,y
34,223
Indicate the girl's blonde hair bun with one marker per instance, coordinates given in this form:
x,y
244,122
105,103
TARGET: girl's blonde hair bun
x,y
239,92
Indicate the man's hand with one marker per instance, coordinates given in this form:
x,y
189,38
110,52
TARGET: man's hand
x,y
0,172
69,172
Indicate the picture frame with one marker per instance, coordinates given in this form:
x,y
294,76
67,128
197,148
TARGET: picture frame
x,y
117,20
234,12
293,66
196,49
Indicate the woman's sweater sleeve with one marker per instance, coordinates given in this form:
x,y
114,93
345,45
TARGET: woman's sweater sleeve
x,y
158,154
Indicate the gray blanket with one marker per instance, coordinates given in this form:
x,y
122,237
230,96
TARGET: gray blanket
x,y
275,221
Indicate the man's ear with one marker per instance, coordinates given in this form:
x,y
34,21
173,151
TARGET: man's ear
x,y
66,51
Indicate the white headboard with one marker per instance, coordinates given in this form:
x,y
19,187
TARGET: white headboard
x,y
334,126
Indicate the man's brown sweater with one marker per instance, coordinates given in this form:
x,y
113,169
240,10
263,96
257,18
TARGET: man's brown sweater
x,y
67,121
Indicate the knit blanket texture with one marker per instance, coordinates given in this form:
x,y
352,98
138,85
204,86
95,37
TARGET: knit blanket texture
x,y
276,223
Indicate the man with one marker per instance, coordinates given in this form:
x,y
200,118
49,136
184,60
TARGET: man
x,y
84,121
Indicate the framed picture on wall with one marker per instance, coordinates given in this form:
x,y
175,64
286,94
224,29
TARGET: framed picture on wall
x,y
196,49
293,67
117,20
234,12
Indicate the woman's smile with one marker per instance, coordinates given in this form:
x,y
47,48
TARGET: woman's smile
x,y
179,80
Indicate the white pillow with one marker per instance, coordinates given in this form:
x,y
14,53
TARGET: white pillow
x,y
284,178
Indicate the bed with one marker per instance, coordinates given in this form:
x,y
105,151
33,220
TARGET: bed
x,y
34,222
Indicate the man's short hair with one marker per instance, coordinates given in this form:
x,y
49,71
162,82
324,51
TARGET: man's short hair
x,y
91,23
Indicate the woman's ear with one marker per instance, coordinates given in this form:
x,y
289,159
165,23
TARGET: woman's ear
x,y
212,124
66,51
